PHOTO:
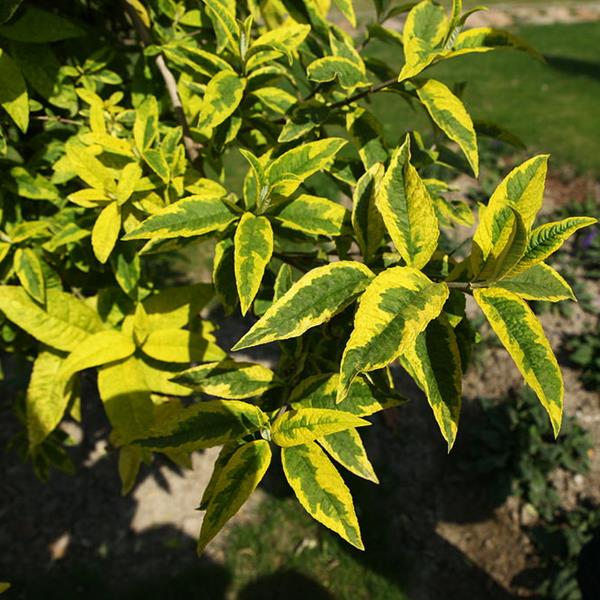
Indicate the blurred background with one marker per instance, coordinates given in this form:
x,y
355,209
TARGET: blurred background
x,y
504,516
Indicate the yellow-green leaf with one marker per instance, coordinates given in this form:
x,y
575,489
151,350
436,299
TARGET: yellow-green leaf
x,y
547,239
62,323
253,246
13,92
106,231
407,209
128,180
46,401
237,480
539,282
393,311
98,349
88,167
321,490
229,379
178,345
125,394
175,307
307,424
130,461
522,335
311,301
189,217
451,116
320,391
222,96
204,425
290,169
366,219
28,268
424,33
312,214
346,448
433,360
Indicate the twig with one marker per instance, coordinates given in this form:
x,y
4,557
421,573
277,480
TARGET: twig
x,y
460,285
56,118
191,147
371,90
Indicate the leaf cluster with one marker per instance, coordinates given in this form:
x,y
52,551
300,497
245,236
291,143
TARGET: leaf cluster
x,y
130,134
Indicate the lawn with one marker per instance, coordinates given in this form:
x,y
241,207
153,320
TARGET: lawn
x,y
283,553
552,107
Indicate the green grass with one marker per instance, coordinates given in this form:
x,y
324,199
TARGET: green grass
x,y
552,107
285,554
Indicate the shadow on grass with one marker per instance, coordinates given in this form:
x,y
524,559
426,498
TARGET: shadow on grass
x,y
574,66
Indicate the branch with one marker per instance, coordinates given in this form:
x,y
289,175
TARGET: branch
x,y
55,118
370,90
171,84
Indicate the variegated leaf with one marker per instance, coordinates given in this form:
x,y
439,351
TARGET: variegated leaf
x,y
424,33
253,247
433,360
346,448
30,273
451,116
189,217
223,95
222,14
223,274
311,301
484,39
290,169
407,209
321,490
347,9
320,391
312,214
539,282
522,335
509,239
229,379
204,425
236,481
307,424
547,239
393,311
367,221
328,68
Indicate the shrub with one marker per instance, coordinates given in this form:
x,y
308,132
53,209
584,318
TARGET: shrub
x,y
124,131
